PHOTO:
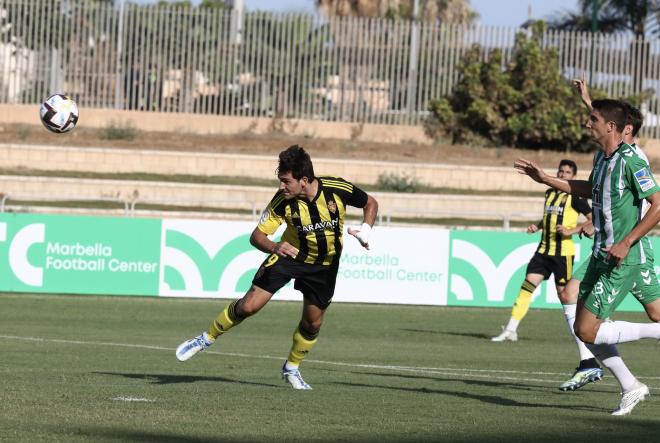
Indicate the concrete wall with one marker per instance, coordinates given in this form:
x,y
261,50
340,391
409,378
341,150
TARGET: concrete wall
x,y
106,160
254,198
217,124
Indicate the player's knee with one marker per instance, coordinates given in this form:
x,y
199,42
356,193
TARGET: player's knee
x,y
585,333
247,308
312,327
564,297
654,316
568,295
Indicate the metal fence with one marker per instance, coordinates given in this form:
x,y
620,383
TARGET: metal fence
x,y
207,61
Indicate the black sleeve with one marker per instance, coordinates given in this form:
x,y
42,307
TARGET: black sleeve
x,y
581,205
358,198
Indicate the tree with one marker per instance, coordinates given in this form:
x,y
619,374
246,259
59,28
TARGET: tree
x,y
641,17
635,16
528,104
446,11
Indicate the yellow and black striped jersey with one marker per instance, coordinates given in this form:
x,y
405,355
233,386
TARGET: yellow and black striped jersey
x,y
314,227
560,209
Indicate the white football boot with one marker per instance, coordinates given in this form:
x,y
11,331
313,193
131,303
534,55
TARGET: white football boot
x,y
191,347
582,377
506,335
631,398
293,377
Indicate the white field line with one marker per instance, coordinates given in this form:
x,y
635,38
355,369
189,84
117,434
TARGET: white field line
x,y
456,372
137,399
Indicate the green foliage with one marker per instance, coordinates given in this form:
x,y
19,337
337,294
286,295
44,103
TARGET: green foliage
x,y
527,103
398,183
119,131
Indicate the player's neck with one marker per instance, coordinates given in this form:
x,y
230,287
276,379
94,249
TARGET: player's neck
x,y
311,190
611,143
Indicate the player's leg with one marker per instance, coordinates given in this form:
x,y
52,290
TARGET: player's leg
x,y
595,303
233,314
632,390
269,278
318,286
568,299
306,334
238,310
588,369
647,290
520,307
613,289
304,338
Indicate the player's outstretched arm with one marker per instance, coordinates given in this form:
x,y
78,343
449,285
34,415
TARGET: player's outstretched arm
x,y
581,188
362,233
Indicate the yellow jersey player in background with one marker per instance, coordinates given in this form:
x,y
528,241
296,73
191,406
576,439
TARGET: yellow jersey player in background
x,y
313,209
556,251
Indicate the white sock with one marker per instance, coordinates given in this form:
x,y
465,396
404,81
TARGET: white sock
x,y
622,331
569,313
512,325
609,357
290,366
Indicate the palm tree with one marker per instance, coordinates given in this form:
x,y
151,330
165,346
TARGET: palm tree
x,y
636,16
640,17
446,11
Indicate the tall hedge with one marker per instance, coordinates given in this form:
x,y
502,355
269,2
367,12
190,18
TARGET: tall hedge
x,y
527,103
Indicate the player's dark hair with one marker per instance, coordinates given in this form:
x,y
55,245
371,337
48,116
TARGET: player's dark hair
x,y
295,160
635,118
570,163
612,111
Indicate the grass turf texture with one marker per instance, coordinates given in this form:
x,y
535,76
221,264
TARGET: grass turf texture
x,y
380,373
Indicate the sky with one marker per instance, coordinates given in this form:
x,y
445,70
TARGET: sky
x,y
491,12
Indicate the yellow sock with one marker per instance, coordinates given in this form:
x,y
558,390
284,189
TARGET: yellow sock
x,y
521,306
226,320
303,342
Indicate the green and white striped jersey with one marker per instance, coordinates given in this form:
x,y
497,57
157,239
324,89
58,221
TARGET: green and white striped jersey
x,y
619,185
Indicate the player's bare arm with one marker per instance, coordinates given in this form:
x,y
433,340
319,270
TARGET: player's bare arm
x,y
261,241
619,251
587,229
581,188
370,211
534,228
581,87
578,229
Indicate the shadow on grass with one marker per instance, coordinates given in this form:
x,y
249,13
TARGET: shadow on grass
x,y
510,385
612,429
459,334
101,434
491,399
169,379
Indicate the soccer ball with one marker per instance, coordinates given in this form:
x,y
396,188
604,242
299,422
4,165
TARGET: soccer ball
x,y
59,113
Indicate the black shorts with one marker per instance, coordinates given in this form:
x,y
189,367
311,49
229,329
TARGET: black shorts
x,y
316,282
560,266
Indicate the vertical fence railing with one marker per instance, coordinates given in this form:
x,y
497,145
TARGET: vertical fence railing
x,y
162,58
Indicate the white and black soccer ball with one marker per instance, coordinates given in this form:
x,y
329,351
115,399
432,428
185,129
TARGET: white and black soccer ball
x,y
59,113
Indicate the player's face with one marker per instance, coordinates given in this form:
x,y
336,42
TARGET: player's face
x,y
291,186
597,125
565,172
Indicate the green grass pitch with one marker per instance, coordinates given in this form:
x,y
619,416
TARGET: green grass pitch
x,y
95,369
